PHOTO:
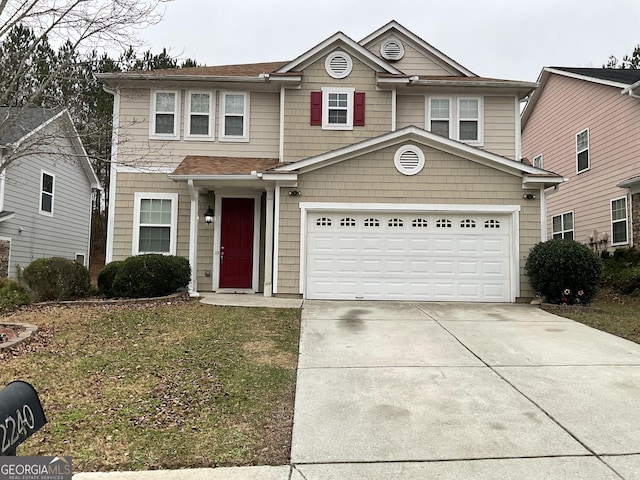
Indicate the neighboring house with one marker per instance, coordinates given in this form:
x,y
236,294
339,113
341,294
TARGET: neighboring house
x,y
583,123
46,190
379,169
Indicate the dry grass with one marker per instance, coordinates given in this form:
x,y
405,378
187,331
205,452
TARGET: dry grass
x,y
160,386
613,313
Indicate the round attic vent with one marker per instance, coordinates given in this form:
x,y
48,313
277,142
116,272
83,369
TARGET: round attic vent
x,y
392,49
338,64
409,160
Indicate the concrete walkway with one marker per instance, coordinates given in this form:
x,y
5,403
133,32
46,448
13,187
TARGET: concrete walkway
x,y
425,390
449,391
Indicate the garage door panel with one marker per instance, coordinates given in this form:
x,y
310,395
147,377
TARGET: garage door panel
x,y
406,256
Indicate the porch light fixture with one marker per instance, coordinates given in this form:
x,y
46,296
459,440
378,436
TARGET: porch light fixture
x,y
208,216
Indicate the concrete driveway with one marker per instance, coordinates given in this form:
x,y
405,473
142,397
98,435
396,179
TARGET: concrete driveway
x,y
456,391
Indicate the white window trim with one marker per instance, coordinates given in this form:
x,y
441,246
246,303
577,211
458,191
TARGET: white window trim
x,y
176,117
588,150
187,116
84,257
450,119
626,220
53,194
541,157
245,124
565,230
454,114
138,197
480,120
325,108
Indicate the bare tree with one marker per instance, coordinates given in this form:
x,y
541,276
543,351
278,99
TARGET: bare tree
x,y
80,29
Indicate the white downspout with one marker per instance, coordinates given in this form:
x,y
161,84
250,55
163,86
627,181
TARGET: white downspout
x,y
394,103
276,238
281,145
113,174
193,240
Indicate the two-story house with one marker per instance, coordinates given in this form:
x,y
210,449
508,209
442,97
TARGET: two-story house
x,y
378,169
583,124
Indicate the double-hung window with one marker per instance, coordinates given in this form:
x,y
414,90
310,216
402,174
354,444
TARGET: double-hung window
x,y
155,223
337,108
440,116
563,226
234,117
619,221
165,111
199,115
46,193
469,119
582,150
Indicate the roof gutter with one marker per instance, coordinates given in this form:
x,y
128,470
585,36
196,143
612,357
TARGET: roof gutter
x,y
261,78
629,90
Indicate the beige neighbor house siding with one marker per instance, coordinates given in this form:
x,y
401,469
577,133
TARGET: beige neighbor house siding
x,y
303,140
135,147
413,62
614,149
446,179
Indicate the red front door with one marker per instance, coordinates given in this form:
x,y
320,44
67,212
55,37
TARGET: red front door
x,y
236,243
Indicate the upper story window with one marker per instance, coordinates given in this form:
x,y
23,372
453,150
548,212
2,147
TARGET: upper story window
x,y
458,118
562,226
337,108
155,223
163,121
469,119
619,221
234,117
198,120
538,161
582,150
440,116
46,193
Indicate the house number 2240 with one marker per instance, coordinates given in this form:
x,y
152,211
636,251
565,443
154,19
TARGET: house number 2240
x,y
12,428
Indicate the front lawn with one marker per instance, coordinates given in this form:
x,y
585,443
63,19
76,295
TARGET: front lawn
x,y
610,312
163,386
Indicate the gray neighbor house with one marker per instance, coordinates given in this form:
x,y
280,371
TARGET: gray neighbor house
x,y
45,191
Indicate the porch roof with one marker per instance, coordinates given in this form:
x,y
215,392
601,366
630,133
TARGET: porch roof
x,y
207,166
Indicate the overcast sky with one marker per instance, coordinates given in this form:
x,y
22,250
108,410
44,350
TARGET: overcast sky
x,y
510,39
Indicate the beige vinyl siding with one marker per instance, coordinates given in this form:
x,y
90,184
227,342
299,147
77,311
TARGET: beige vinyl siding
x,y
303,140
500,125
205,245
126,186
135,147
414,62
567,106
410,110
446,179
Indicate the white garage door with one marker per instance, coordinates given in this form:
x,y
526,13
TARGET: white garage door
x,y
408,256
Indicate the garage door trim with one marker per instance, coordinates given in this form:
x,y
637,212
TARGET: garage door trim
x,y
513,210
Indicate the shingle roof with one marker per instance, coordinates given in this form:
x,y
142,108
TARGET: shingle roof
x,y
16,122
620,75
204,165
243,70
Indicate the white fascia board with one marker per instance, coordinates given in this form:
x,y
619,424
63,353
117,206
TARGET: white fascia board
x,y
310,56
286,177
420,42
214,177
130,169
631,88
586,78
547,180
408,207
43,125
82,152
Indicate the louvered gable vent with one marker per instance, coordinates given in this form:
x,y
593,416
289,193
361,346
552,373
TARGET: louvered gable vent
x,y
409,160
338,64
392,49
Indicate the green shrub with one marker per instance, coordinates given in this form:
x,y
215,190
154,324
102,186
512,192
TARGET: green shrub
x,y
622,270
12,294
56,278
151,275
106,277
564,271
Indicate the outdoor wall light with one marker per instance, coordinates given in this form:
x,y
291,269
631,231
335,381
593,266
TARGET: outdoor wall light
x,y
529,196
294,193
208,216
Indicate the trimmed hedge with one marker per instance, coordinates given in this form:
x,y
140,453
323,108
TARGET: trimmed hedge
x,y
56,278
564,271
141,276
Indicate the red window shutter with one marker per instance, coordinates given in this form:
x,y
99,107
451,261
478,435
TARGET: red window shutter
x,y
358,109
316,108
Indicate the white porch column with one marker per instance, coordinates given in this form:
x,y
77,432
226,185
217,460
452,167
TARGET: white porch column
x,y
268,244
193,240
